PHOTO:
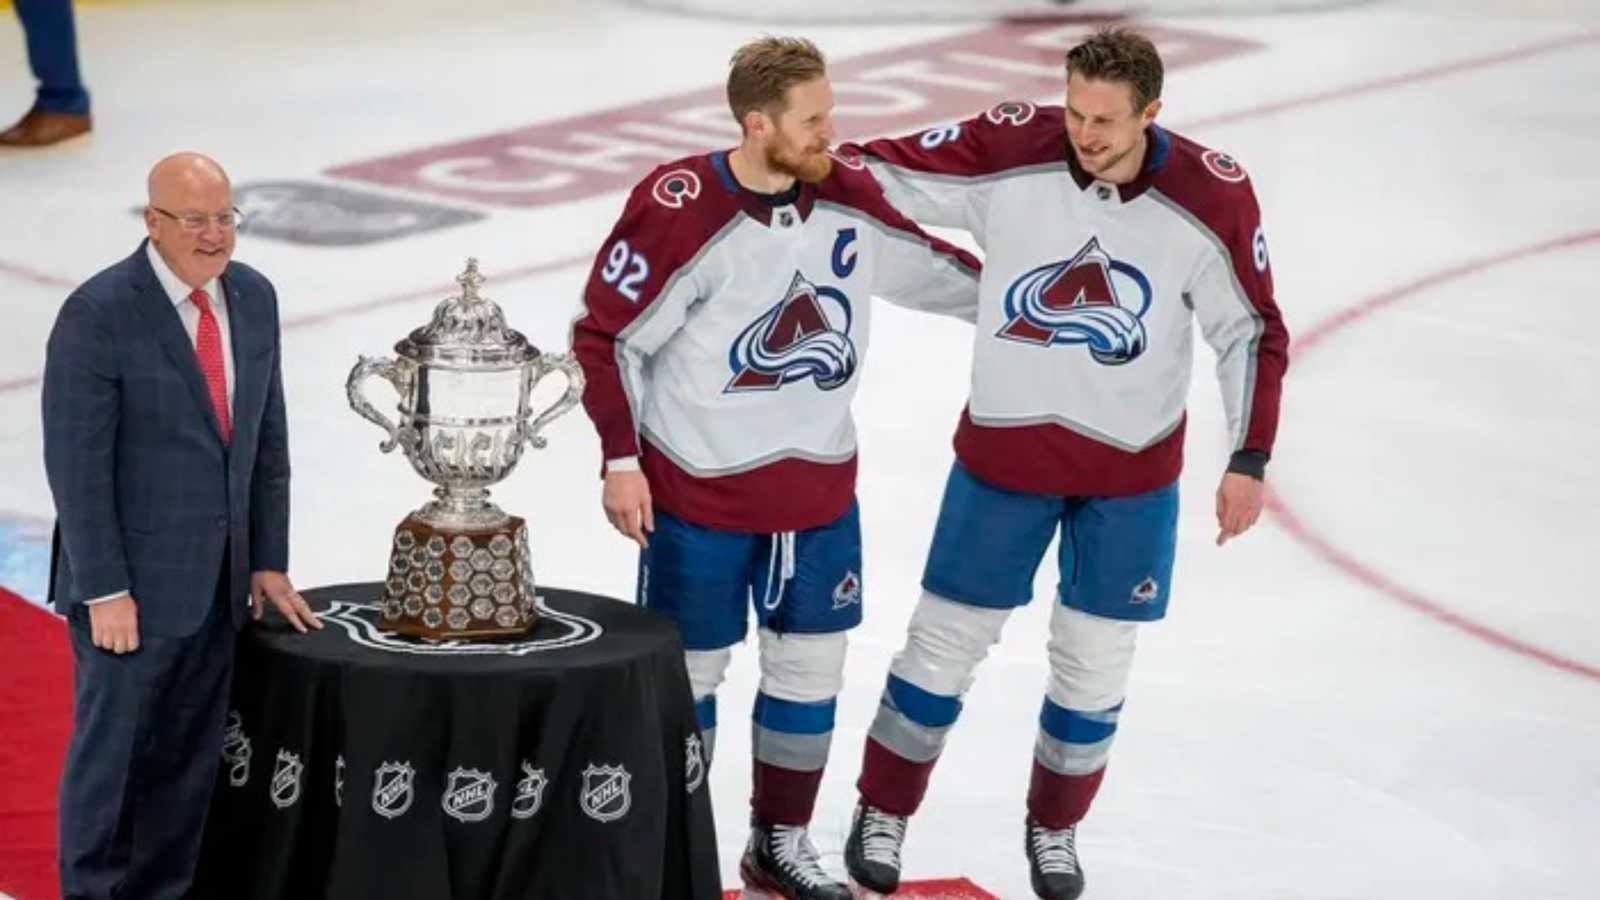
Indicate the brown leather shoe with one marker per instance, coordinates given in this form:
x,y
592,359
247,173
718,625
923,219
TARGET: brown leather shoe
x,y
40,128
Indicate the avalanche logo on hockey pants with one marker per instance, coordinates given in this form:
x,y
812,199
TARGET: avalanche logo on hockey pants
x,y
804,335
1088,299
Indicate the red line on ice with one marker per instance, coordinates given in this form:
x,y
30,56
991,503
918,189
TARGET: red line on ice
x,y
1296,527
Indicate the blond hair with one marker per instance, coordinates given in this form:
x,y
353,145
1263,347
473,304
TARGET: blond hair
x,y
762,71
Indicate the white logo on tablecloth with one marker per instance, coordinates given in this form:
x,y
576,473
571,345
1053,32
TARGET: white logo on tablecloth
x,y
359,621
605,796
694,763
530,792
469,795
286,779
392,789
236,750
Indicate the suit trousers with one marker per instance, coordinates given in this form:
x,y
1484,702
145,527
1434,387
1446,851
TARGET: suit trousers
x,y
142,762
49,31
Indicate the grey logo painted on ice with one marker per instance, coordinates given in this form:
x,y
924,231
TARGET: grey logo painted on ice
x,y
325,215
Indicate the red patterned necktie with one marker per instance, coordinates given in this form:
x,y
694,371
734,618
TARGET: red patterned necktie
x,y
208,347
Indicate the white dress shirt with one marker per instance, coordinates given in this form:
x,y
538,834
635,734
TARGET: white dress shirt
x,y
178,293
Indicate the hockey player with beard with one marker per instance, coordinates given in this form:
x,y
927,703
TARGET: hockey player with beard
x,y
722,334
1106,239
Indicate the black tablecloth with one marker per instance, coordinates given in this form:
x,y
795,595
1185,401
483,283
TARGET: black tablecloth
x,y
363,765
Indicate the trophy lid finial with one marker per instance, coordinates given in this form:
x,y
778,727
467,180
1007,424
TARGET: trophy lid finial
x,y
470,280
467,331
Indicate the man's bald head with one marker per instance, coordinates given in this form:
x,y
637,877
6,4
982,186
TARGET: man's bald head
x,y
184,170
187,189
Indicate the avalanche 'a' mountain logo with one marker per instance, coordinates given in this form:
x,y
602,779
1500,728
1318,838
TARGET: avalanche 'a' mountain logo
x,y
1088,299
805,335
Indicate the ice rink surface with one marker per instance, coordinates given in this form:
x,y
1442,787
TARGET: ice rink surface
x,y
1390,690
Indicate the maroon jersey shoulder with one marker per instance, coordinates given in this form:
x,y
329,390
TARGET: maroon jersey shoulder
x,y
1211,186
681,204
1010,135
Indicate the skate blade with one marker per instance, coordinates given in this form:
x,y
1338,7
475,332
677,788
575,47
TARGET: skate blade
x,y
864,893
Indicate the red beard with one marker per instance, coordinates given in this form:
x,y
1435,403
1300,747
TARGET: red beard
x,y
808,167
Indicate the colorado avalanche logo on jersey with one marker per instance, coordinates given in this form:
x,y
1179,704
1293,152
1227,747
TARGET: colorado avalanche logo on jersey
x,y
1223,166
1088,299
1017,112
847,591
673,188
805,335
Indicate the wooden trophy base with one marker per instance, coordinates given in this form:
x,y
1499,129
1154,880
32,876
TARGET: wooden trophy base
x,y
458,585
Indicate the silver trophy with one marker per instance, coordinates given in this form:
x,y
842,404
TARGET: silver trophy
x,y
459,566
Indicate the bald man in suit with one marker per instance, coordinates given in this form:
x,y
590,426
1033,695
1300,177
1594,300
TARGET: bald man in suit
x,y
166,447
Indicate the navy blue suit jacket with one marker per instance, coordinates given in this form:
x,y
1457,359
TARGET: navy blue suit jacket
x,y
147,494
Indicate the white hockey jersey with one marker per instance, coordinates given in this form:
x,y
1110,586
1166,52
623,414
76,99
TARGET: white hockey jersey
x,y
722,336
1083,346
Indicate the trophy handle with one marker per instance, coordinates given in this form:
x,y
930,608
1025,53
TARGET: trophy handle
x,y
385,368
544,365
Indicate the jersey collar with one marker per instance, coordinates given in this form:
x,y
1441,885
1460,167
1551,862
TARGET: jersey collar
x,y
802,197
1156,148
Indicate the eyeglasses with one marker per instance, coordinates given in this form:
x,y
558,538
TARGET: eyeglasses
x,y
227,221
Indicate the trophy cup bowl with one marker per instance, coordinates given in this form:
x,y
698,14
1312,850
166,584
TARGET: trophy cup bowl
x,y
459,566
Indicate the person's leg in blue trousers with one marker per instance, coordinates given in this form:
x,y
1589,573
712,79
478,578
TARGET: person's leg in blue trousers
x,y
53,54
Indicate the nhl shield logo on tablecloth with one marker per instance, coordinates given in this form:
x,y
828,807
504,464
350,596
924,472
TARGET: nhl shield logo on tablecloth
x,y
391,789
530,792
286,779
236,750
469,795
694,764
605,796
338,781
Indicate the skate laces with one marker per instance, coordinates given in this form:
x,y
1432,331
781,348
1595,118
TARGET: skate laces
x,y
794,854
882,834
1054,850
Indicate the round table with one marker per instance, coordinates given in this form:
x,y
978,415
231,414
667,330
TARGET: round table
x,y
359,764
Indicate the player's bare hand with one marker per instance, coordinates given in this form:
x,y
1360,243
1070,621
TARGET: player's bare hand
x,y
1239,501
114,624
626,499
275,588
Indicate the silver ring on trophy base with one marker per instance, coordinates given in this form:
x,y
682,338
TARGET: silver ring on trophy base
x,y
462,420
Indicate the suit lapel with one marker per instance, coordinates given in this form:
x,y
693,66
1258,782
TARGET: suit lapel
x,y
251,361
162,319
